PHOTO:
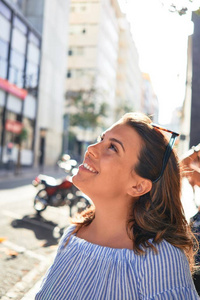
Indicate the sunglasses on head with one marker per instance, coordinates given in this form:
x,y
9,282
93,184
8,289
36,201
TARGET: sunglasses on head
x,y
168,150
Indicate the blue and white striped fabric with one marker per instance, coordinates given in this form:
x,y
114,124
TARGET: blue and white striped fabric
x,y
84,271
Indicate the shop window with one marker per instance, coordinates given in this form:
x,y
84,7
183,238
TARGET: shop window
x,y
14,105
29,127
11,137
2,98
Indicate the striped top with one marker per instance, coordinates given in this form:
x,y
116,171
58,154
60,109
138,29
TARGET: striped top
x,y
82,270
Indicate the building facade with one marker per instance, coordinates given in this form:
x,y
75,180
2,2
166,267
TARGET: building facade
x,y
190,128
102,56
20,52
129,76
93,48
195,103
149,101
44,101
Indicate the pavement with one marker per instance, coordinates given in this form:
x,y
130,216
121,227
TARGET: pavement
x,y
25,175
9,179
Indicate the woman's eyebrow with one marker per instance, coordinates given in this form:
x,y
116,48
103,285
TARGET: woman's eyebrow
x,y
117,141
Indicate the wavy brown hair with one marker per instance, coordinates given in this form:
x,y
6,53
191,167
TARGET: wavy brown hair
x,y
158,214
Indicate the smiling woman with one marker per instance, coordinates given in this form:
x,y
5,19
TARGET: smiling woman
x,y
135,230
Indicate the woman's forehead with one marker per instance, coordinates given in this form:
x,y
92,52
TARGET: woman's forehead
x,y
125,133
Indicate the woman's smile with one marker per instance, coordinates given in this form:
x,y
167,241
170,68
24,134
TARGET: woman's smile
x,y
88,168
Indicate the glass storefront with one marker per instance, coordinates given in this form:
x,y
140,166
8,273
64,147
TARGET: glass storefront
x,y
19,74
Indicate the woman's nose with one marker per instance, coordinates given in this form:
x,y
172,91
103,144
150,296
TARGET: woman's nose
x,y
93,150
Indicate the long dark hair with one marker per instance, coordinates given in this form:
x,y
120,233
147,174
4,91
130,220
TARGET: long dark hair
x,y
158,214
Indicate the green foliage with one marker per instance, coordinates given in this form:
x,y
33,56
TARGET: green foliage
x,y
122,109
23,135
176,6
87,112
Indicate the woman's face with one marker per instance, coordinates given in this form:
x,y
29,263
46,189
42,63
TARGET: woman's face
x,y
107,169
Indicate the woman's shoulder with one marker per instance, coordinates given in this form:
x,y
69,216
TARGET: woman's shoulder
x,y
168,269
166,254
66,235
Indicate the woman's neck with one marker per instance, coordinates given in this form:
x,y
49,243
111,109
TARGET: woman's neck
x,y
109,229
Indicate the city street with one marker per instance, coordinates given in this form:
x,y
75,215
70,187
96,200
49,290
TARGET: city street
x,y
28,242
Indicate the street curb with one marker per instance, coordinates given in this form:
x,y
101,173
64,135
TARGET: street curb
x,y
25,282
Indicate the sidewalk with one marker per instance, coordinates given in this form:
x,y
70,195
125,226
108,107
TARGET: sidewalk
x,y
32,280
29,172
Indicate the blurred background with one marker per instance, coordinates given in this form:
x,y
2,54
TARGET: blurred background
x,y
69,69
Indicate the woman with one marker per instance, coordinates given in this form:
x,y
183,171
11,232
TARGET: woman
x,y
135,242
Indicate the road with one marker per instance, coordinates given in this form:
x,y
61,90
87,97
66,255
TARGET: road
x,y
28,242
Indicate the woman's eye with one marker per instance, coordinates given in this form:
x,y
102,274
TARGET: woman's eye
x,y
112,147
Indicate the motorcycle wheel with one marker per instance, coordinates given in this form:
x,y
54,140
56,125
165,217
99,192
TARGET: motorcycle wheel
x,y
79,203
41,200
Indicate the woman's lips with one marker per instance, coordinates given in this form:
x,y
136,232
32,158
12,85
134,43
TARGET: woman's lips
x,y
87,167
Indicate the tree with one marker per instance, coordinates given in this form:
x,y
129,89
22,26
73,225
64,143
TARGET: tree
x,y
183,7
86,113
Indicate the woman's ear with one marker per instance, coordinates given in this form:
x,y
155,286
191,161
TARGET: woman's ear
x,y
142,187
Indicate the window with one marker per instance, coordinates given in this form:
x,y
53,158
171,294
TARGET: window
x,y
5,11
2,98
15,76
34,39
14,105
69,74
18,41
70,52
19,25
31,75
5,33
16,70
17,59
29,127
3,58
30,107
33,53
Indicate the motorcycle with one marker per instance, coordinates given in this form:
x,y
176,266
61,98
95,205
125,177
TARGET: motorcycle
x,y
58,192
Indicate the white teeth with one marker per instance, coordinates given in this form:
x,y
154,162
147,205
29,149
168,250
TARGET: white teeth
x,y
89,168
